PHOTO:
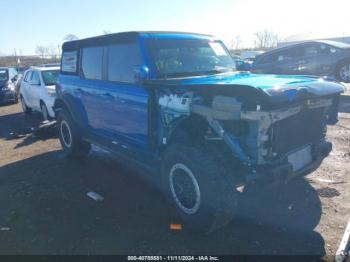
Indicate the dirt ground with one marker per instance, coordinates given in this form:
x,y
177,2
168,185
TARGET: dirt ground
x,y
45,210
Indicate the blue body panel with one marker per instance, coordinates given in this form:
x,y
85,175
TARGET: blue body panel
x,y
120,113
277,87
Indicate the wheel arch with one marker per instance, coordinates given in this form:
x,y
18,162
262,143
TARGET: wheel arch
x,y
190,130
74,107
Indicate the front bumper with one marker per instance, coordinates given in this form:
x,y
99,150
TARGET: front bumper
x,y
7,96
283,171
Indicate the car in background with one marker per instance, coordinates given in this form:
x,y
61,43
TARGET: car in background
x,y
250,54
49,65
321,57
8,80
38,90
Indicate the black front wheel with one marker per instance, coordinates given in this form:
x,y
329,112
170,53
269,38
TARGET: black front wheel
x,y
70,138
199,188
44,112
25,108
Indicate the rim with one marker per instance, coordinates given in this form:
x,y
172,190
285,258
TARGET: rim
x,y
44,112
184,188
66,134
344,73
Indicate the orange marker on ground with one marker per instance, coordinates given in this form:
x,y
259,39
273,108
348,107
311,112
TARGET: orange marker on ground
x,y
175,226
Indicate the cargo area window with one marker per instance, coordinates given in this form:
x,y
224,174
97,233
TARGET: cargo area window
x,y
122,59
91,63
69,61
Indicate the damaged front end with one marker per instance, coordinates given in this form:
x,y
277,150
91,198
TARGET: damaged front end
x,y
270,140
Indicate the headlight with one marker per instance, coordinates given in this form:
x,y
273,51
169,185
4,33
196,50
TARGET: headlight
x,y
51,92
9,86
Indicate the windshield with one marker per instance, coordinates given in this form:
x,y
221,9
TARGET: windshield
x,y
180,58
50,77
3,75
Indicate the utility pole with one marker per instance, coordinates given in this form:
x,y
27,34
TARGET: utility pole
x,y
15,55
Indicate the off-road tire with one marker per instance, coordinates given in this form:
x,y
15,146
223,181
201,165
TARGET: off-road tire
x,y
25,108
70,138
339,69
218,196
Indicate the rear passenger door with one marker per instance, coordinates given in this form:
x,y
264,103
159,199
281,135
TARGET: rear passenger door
x,y
118,106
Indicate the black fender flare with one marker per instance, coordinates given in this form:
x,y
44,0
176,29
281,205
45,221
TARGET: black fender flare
x,y
74,107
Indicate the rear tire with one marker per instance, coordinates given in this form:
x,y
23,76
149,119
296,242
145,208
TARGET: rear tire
x,y
343,72
70,138
25,108
199,188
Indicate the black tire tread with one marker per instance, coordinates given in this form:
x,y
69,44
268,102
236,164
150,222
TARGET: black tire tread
x,y
221,196
79,148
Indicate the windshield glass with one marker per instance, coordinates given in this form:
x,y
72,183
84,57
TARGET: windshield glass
x,y
181,58
50,77
3,75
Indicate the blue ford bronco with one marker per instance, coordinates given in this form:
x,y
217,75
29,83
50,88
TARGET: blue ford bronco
x,y
174,105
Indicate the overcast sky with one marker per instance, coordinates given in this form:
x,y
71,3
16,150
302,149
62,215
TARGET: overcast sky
x,y
26,24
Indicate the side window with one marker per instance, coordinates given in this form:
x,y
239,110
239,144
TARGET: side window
x,y
35,78
91,63
271,58
311,50
290,54
325,49
11,74
28,76
69,61
122,59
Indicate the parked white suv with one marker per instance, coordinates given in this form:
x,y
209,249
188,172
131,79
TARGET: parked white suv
x,y
38,90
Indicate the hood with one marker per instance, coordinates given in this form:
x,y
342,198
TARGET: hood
x,y
278,88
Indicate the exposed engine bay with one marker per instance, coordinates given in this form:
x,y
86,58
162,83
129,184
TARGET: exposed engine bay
x,y
258,136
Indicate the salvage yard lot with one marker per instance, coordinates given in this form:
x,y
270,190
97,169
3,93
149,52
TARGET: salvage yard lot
x,y
45,210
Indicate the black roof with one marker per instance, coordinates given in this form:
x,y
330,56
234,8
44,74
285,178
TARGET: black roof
x,y
100,40
123,37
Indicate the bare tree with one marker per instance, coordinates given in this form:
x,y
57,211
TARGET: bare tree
x,y
266,39
236,42
42,51
70,37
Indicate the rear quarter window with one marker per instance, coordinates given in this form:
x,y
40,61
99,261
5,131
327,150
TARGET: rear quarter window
x,y
69,62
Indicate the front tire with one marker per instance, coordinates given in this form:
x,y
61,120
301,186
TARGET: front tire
x,y
25,108
44,112
69,136
199,188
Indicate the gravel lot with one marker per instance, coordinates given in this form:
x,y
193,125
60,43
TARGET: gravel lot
x,y
45,210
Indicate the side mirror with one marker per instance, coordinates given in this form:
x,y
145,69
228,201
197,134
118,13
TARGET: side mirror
x,y
141,73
